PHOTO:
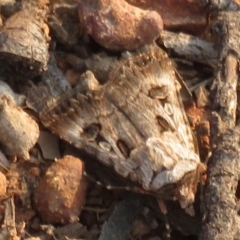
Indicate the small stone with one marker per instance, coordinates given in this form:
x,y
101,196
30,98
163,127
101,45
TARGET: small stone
x,y
18,131
61,193
202,97
73,77
117,25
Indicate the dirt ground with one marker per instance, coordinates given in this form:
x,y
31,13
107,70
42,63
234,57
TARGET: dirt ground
x,y
50,189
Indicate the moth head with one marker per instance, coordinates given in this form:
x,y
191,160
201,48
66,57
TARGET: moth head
x,y
177,168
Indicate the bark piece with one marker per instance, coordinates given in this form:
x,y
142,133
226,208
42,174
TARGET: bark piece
x,y
53,84
220,203
226,27
225,101
23,45
232,5
181,15
225,84
117,25
18,131
190,47
220,193
60,194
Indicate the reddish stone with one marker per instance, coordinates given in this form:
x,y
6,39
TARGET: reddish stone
x,y
61,193
117,25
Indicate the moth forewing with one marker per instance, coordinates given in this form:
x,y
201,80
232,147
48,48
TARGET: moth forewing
x,y
142,131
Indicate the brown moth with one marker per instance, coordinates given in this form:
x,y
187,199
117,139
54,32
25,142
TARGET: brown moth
x,y
135,124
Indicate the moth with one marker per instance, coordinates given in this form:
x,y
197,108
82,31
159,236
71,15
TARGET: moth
x,y
135,124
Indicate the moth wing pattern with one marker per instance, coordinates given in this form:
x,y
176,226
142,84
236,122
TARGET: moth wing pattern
x,y
134,123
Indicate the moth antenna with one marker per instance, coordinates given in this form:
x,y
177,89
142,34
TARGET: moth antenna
x,y
163,209
208,157
93,180
168,228
109,187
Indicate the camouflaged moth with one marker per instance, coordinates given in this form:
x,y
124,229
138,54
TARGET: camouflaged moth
x,y
134,123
